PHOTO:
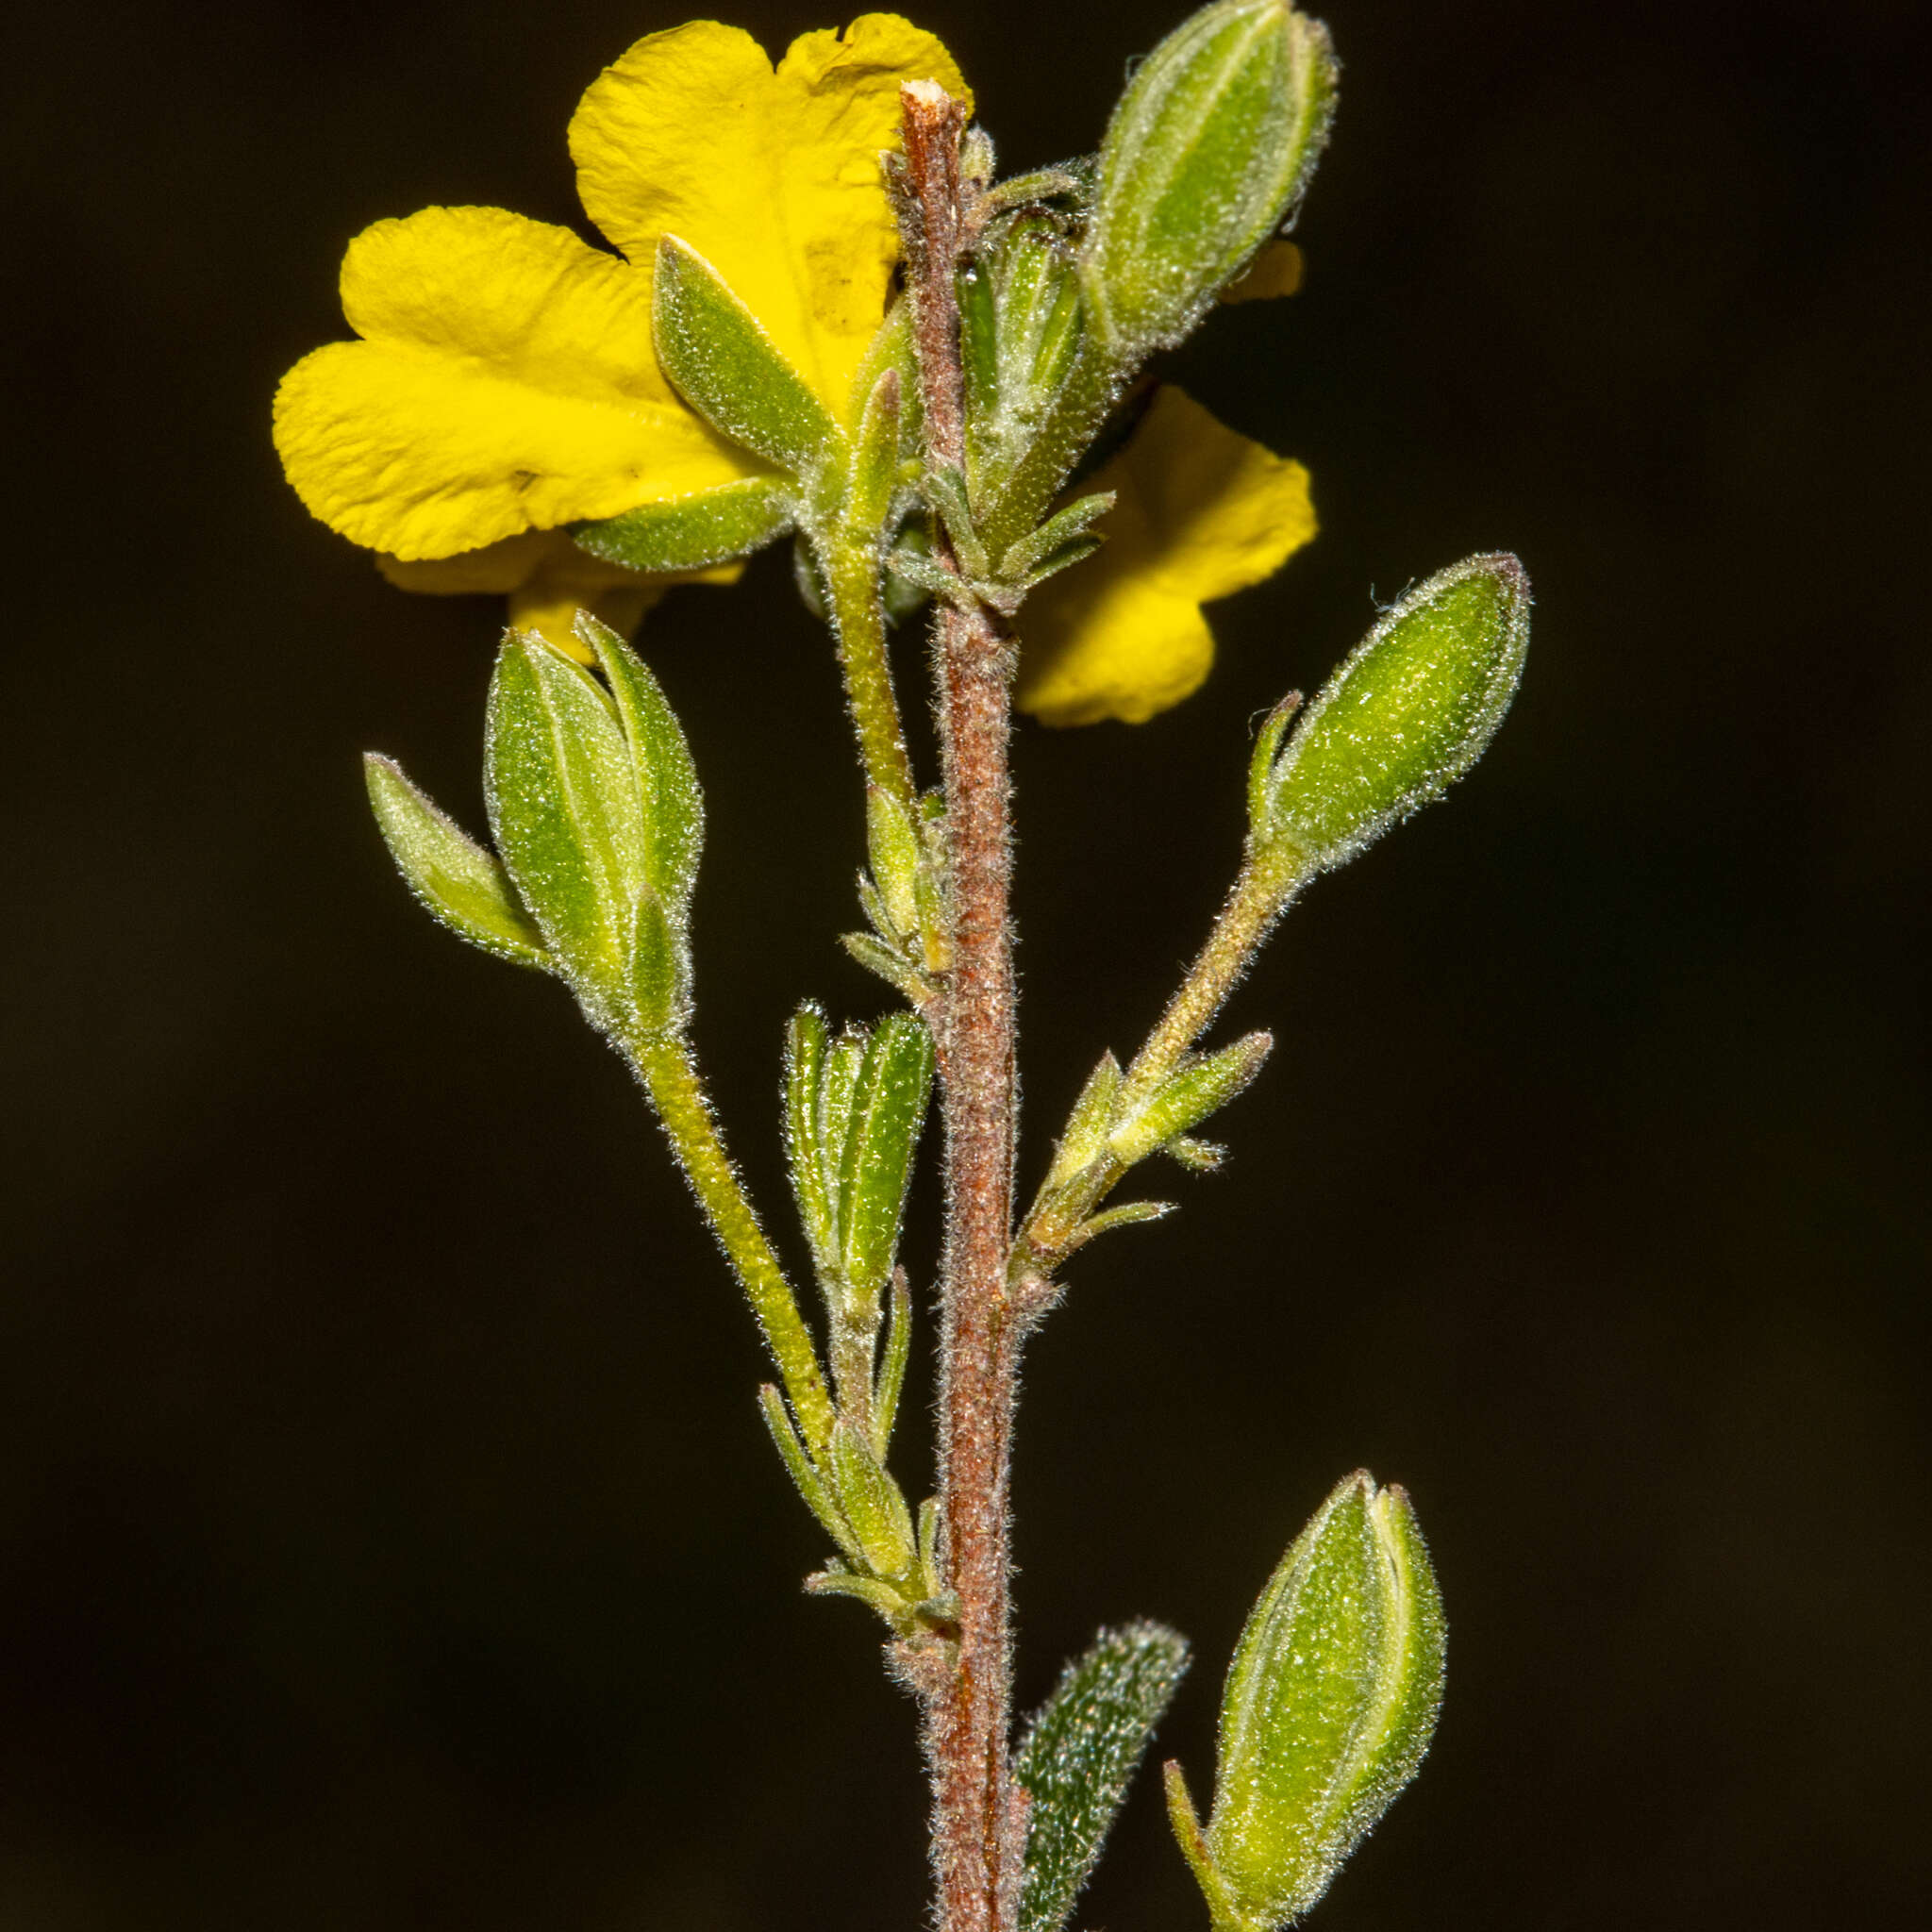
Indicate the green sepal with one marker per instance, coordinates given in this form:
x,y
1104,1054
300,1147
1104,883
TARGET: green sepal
x,y
1202,1087
659,968
729,369
872,1503
1330,1703
457,881
1262,761
1207,154
887,1110
1079,1754
565,810
1412,708
669,795
693,532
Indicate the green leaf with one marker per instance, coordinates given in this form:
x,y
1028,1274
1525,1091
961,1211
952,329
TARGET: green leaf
x,y
1202,1087
805,1066
564,807
1090,1122
461,884
875,462
896,971
873,1505
1079,1756
1207,154
668,797
1060,530
1411,709
891,1375
876,1165
1330,1702
892,846
730,371
696,531
804,1473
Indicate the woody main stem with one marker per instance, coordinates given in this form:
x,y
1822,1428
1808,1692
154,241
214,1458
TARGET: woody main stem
x,y
978,1835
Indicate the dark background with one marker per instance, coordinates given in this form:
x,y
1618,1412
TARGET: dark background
x,y
387,1537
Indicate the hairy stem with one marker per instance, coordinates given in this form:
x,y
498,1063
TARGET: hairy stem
x,y
851,568
977,1831
1265,885
670,1078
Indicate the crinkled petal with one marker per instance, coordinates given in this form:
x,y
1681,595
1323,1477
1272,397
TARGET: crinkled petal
x,y
548,580
1200,512
506,382
772,176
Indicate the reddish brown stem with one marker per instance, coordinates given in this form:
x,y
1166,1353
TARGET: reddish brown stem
x,y
978,1831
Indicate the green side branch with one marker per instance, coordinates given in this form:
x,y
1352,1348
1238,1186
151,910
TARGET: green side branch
x,y
670,1075
856,608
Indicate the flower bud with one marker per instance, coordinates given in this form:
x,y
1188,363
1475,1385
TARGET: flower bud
x,y
1209,152
596,811
1411,709
1330,1704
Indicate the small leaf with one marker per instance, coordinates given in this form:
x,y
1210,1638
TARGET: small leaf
x,y
669,795
891,1375
798,1463
892,846
1201,1087
1079,1754
1090,1122
1058,530
897,972
564,807
945,490
730,371
461,884
876,468
873,1505
805,1062
876,1167
693,532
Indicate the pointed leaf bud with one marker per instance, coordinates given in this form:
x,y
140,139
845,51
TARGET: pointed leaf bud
x,y
1330,1704
1201,1087
1209,152
1411,709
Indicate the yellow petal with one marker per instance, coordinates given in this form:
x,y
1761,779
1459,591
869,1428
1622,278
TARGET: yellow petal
x,y
1201,512
506,382
1276,270
772,176
548,580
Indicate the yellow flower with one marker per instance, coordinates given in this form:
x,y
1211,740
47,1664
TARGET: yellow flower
x,y
506,381
1200,512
